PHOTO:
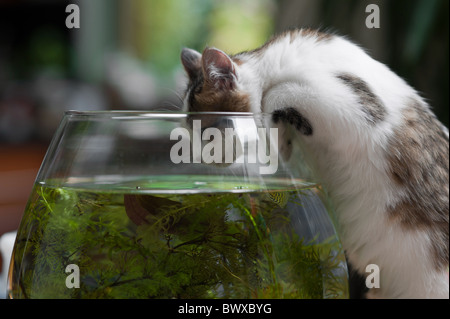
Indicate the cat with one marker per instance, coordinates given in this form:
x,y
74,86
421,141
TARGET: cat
x,y
371,139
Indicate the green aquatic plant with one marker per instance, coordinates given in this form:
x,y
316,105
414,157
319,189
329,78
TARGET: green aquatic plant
x,y
206,245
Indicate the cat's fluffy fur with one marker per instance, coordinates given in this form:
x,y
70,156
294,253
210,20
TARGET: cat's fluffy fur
x,y
373,142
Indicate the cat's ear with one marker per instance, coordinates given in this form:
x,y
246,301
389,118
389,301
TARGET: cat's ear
x,y
218,69
191,61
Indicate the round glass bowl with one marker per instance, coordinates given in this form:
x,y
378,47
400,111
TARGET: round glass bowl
x,y
174,205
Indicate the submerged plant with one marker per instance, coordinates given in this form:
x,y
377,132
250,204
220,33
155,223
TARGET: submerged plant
x,y
206,245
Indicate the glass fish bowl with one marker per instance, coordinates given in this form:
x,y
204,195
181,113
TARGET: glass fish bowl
x,y
175,205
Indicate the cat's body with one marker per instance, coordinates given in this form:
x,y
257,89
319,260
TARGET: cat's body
x,y
373,142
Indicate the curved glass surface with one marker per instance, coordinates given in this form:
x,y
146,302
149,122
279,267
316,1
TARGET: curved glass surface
x,y
174,205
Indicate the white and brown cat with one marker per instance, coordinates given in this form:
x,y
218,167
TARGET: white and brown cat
x,y
372,140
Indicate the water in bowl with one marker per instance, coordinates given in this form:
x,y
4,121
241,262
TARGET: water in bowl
x,y
177,237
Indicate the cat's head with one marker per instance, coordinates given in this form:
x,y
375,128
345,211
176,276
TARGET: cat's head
x,y
214,82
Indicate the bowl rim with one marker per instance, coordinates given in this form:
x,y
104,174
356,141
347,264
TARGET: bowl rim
x,y
155,114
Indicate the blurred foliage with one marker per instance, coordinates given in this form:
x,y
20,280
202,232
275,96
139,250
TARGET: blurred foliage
x,y
421,24
413,39
423,58
165,26
240,25
29,41
49,51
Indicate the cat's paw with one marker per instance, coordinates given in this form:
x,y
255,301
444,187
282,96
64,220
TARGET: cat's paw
x,y
291,116
284,138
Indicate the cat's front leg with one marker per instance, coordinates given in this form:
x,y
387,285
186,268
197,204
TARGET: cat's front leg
x,y
285,134
291,116
285,139
289,122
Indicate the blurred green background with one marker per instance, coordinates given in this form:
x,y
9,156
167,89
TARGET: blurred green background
x,y
125,55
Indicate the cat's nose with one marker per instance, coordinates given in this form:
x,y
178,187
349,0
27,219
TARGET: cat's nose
x,y
221,124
